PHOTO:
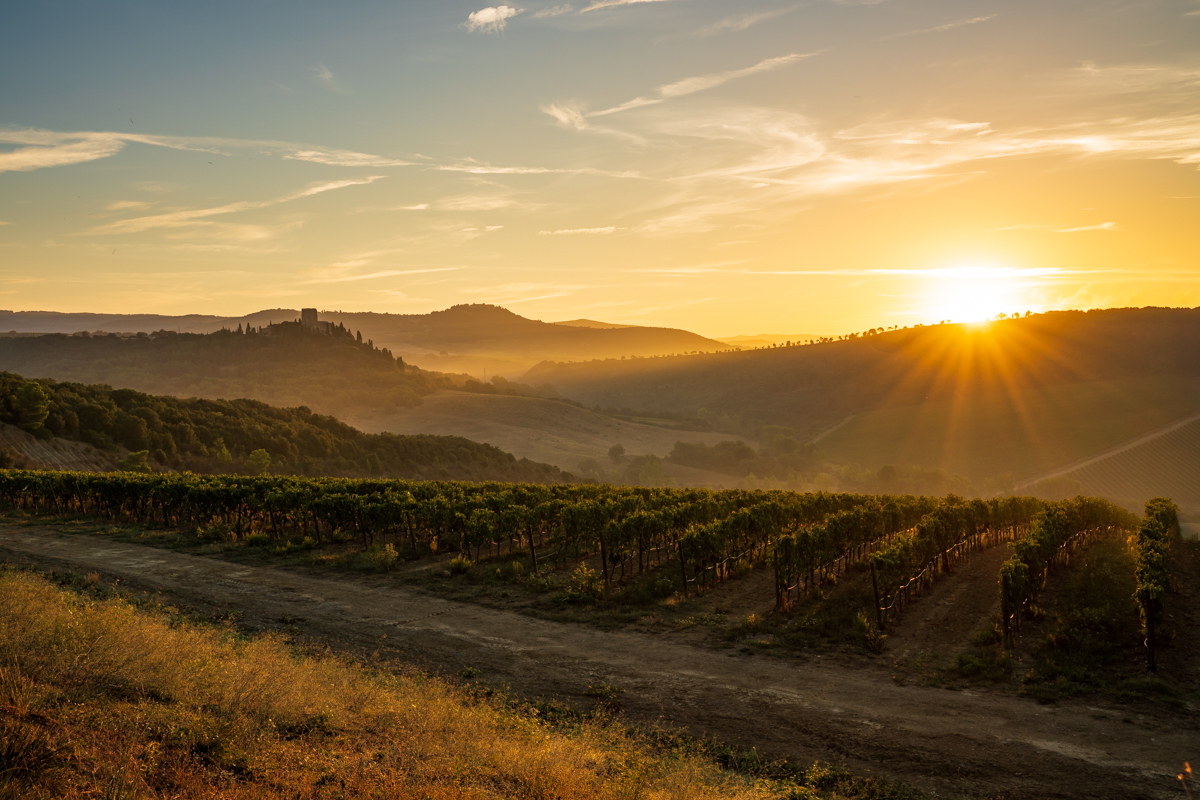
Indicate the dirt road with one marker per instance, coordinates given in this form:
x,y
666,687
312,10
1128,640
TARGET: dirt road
x,y
956,743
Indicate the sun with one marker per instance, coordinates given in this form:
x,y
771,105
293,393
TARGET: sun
x,y
972,293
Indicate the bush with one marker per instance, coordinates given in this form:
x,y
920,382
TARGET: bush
x,y
460,565
585,586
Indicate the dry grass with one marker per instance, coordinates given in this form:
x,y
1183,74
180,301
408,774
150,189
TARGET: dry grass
x,y
98,698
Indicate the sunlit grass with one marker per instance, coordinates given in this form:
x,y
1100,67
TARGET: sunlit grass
x,y
98,694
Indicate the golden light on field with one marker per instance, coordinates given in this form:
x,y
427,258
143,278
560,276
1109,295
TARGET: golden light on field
x,y
973,293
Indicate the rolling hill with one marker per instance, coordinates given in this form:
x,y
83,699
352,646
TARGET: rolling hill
x,y
1016,396
328,373
465,338
1165,463
541,430
141,431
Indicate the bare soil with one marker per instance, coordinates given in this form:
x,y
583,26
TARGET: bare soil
x,y
940,624
956,743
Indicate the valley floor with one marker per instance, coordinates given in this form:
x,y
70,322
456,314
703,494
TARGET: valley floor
x,y
973,743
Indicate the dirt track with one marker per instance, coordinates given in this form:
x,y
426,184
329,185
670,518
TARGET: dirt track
x,y
953,742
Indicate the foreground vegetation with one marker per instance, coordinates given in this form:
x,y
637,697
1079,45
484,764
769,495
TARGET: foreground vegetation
x,y
103,696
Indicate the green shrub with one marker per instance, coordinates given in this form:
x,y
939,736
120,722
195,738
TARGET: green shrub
x,y
585,586
460,565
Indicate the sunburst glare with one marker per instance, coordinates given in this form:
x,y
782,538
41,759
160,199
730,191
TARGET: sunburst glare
x,y
974,293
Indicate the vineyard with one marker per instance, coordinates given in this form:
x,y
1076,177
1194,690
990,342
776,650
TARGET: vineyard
x,y
1168,464
694,538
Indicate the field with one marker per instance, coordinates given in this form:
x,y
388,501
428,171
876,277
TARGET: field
x,y
985,436
540,430
1165,465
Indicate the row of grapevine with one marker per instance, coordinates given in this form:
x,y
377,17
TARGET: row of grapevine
x,y
630,528
1057,531
709,535
911,561
1152,554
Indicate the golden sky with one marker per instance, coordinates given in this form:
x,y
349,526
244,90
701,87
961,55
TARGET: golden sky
x,y
748,167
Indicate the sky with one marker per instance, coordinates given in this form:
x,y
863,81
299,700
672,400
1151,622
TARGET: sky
x,y
725,167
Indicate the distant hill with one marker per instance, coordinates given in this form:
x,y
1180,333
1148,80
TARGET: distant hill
x,y
142,431
767,339
984,400
328,373
591,323
465,338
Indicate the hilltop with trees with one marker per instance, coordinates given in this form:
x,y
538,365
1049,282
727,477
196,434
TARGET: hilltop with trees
x,y
282,364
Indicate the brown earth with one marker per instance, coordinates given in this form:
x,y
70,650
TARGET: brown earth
x,y
940,624
971,743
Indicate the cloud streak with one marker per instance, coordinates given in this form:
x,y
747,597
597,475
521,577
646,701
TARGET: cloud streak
x,y
1103,226
958,23
573,231
553,11
701,83
600,5
739,23
198,216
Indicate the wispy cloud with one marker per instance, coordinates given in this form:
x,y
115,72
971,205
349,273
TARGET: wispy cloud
x,y
958,23
341,158
571,231
477,203
602,4
492,19
122,205
522,292
338,275
924,274
475,168
700,83
1103,226
196,216
325,76
54,151
60,148
739,23
553,11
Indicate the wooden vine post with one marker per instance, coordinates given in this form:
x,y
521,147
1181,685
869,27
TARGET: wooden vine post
x,y
875,589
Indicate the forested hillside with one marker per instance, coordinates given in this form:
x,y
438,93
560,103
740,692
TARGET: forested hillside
x,y
1016,395
246,436
283,365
